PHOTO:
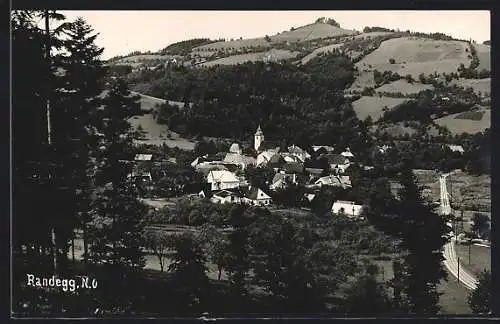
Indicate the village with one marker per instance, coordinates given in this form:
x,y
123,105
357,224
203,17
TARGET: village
x,y
224,180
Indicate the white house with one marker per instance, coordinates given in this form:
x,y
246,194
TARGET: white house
x,y
456,148
348,208
221,179
334,181
292,158
225,197
235,148
256,197
329,149
143,157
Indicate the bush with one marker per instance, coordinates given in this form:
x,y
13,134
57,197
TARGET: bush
x,y
392,61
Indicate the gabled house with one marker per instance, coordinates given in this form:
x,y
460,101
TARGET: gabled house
x,y
293,168
235,148
348,208
347,153
334,181
143,157
220,180
256,197
327,149
225,197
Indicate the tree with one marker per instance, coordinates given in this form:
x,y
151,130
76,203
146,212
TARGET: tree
x,y
366,296
189,278
159,243
480,298
480,224
423,234
215,244
392,61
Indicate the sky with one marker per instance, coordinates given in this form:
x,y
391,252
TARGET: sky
x,y
121,32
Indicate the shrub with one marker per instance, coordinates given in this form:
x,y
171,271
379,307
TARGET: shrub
x,y
392,61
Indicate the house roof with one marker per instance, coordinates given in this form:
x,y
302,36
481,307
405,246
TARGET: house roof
x,y
221,176
278,177
297,150
237,158
277,159
253,194
143,157
314,171
293,167
259,131
235,148
269,146
327,148
335,180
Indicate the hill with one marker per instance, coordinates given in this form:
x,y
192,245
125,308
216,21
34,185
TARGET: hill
x,y
484,55
467,122
311,32
273,55
414,56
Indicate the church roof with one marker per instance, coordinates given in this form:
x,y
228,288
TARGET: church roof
x,y
259,131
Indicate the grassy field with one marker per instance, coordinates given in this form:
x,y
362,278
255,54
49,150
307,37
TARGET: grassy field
x,y
480,258
364,79
404,87
372,106
417,55
372,35
479,85
458,126
235,44
273,55
484,55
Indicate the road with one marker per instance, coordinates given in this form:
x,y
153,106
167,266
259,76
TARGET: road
x,y
450,256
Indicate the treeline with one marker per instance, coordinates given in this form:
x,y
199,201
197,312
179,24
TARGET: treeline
x,y
377,29
184,48
296,103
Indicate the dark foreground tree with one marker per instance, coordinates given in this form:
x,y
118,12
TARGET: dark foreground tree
x,y
480,298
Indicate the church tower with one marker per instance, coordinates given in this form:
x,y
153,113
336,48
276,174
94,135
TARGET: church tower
x,y
258,138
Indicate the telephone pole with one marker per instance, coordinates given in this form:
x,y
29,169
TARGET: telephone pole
x,y
458,272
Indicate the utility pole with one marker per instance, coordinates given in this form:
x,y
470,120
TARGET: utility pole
x,y
470,243
458,272
49,131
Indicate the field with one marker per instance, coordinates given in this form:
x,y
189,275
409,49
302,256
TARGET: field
x,y
480,258
395,130
311,31
404,87
364,79
458,126
143,57
372,106
316,52
484,55
479,85
272,55
417,55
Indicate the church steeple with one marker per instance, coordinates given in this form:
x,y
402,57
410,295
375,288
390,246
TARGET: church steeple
x,y
258,138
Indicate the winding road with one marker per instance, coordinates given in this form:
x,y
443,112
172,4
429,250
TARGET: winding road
x,y
450,256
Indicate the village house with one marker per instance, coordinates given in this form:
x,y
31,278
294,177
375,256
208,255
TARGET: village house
x,y
347,153
256,197
333,181
225,197
348,208
298,152
264,157
220,180
240,160
327,149
143,157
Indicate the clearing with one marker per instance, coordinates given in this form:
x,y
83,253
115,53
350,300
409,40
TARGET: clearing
x,y
484,56
373,106
273,55
414,55
402,86
462,123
